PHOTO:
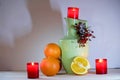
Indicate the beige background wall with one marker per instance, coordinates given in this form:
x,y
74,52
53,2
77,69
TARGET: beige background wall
x,y
48,25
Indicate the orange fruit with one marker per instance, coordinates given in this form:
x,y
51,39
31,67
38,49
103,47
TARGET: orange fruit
x,y
52,50
50,66
80,65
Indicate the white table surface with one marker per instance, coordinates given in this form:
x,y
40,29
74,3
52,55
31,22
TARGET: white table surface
x,y
113,74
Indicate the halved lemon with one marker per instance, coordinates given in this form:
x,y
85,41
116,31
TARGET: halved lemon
x,y
80,65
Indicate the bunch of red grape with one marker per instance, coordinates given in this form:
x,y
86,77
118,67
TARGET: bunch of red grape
x,y
84,34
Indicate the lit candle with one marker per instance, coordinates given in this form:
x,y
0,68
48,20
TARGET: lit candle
x,y
33,70
73,12
101,66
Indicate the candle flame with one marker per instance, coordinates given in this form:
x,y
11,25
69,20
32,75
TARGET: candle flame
x,y
32,63
73,9
100,60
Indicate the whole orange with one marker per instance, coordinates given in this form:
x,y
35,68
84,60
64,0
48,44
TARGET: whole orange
x,y
52,50
50,66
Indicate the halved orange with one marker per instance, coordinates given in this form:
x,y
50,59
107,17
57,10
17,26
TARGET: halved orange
x,y
80,65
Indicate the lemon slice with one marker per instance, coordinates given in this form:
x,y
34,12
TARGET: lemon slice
x,y
80,65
